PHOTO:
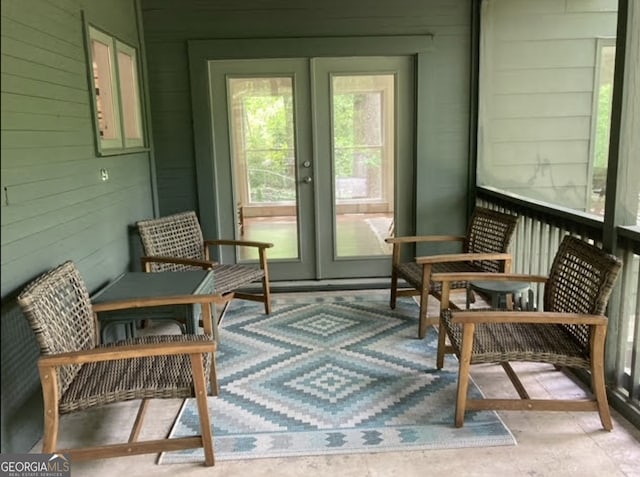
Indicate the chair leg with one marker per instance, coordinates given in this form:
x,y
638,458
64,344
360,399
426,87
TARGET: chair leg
x,y
265,280
442,338
197,368
213,377
424,319
48,377
425,290
463,372
603,404
137,425
424,309
267,295
394,289
222,312
442,329
515,380
597,377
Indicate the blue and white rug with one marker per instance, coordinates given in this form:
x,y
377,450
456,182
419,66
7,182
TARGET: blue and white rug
x,y
332,374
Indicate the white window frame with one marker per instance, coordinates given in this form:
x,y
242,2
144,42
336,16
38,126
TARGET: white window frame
x,y
121,108
601,43
131,107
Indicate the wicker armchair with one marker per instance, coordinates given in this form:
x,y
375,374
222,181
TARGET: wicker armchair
x,y
175,242
570,331
77,373
484,249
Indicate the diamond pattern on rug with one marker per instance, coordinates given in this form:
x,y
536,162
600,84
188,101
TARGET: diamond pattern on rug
x,y
332,374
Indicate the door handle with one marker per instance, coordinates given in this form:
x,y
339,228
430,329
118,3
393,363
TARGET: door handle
x,y
307,180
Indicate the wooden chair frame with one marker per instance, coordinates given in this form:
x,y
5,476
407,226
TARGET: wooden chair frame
x,y
77,373
569,332
484,250
175,242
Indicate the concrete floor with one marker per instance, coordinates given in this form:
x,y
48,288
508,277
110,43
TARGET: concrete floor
x,y
548,443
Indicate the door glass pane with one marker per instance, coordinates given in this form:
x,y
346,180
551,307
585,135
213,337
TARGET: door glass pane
x,y
263,154
363,163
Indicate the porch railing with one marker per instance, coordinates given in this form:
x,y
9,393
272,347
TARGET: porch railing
x,y
537,237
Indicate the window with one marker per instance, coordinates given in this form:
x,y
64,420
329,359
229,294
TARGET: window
x,y
116,98
263,140
544,109
602,93
362,115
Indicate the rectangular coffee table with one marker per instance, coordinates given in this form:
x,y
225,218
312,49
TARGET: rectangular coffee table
x,y
142,285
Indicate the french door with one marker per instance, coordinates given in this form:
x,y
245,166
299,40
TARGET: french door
x,y
314,155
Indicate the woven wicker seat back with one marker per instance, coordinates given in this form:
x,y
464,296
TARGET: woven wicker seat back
x,y
489,231
177,235
580,281
58,308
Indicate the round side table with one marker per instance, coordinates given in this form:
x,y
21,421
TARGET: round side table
x,y
503,295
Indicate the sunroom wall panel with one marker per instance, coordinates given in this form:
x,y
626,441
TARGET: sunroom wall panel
x,y
538,79
169,25
54,205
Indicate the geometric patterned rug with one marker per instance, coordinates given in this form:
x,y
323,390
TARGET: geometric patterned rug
x,y
329,373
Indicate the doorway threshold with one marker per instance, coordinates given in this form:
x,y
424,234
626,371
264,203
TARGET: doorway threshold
x,y
344,284
285,286
329,285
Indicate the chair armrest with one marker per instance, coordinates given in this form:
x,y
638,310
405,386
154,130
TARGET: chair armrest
x,y
425,238
161,301
462,257
207,315
110,353
238,243
535,317
498,277
204,264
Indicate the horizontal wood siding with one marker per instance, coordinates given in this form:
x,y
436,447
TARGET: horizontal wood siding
x,y
441,175
536,95
172,124
54,205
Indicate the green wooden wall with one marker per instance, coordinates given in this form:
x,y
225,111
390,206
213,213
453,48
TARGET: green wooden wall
x,y
441,171
54,207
